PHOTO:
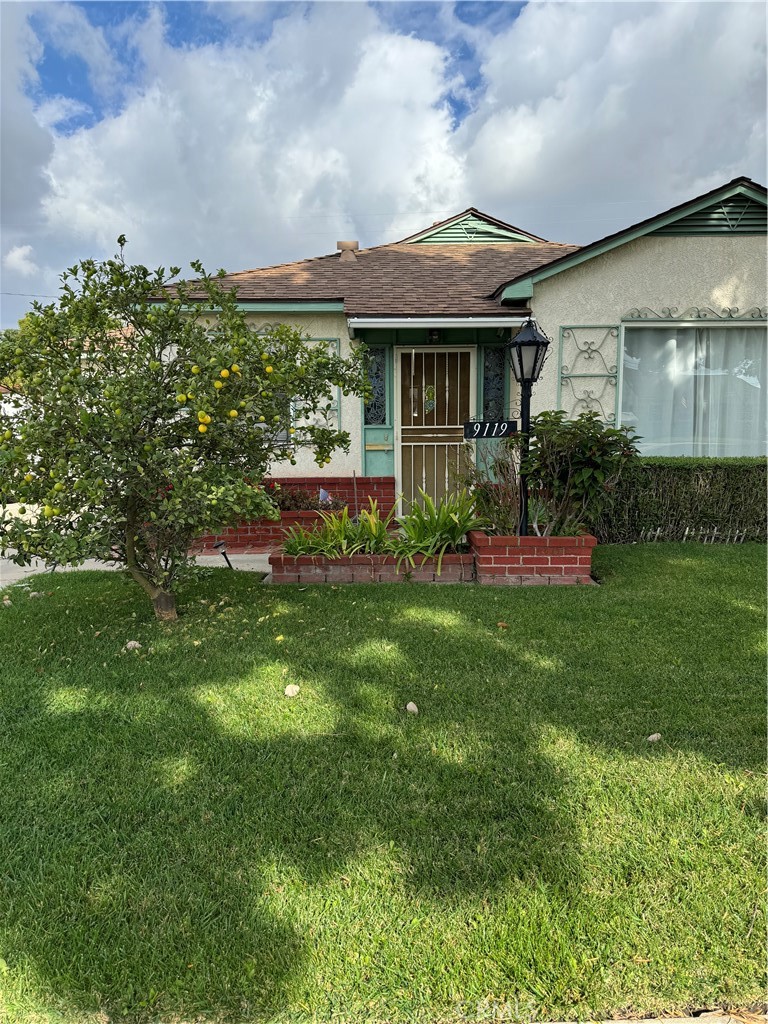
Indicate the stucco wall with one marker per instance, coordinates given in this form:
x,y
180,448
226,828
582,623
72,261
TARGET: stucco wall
x,y
322,325
716,271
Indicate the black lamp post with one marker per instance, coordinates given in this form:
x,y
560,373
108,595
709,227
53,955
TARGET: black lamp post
x,y
527,351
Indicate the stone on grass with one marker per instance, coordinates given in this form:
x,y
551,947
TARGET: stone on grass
x,y
654,737
411,708
132,645
292,690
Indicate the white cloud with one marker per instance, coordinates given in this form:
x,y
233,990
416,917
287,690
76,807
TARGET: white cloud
x,y
19,260
59,110
329,121
66,26
639,108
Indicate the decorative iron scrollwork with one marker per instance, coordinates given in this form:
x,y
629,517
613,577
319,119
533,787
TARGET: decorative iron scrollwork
x,y
592,399
696,313
376,406
494,364
589,370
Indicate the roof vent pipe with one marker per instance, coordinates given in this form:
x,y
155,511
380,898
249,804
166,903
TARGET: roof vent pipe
x,y
348,250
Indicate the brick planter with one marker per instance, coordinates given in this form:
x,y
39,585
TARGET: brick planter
x,y
369,569
257,535
515,561
267,534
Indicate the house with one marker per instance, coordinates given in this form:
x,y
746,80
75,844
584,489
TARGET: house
x,y
661,327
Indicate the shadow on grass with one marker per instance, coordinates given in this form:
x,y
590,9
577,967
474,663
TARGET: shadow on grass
x,y
151,837
151,846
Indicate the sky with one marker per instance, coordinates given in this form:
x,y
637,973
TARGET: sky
x,y
249,134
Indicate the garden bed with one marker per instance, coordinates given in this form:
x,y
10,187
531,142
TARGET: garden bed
x,y
494,561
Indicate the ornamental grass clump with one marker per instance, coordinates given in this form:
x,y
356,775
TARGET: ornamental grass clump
x,y
428,530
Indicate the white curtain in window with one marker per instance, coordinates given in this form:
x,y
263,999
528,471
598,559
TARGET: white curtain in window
x,y
696,390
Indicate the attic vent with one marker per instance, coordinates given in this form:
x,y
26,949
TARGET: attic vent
x,y
469,229
738,215
348,250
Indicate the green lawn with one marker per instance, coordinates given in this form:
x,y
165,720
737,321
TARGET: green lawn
x,y
180,841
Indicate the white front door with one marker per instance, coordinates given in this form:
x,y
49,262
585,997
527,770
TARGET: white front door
x,y
435,394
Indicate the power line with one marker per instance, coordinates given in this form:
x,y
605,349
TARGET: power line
x,y
30,295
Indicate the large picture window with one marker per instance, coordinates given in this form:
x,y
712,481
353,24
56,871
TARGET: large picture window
x,y
691,390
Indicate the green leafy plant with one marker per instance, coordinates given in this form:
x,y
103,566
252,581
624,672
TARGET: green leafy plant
x,y
428,530
338,534
139,408
679,493
431,529
572,467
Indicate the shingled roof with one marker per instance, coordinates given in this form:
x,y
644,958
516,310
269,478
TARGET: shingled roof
x,y
403,278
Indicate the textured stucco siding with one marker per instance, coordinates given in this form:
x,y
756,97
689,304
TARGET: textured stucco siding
x,y
657,272
322,325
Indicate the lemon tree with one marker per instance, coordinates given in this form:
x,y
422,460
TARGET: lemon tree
x,y
136,419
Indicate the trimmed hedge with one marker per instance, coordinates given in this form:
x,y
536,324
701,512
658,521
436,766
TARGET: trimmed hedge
x,y
728,494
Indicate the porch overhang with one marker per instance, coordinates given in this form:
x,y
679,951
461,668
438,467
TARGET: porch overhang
x,y
403,323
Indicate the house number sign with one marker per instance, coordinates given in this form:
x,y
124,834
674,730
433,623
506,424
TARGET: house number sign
x,y
489,428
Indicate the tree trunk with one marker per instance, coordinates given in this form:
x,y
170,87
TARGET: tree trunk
x,y
164,604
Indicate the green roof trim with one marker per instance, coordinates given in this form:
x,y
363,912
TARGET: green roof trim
x,y
291,307
739,189
519,290
470,228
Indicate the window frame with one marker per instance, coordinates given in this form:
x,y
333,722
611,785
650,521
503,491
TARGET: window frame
x,y
661,324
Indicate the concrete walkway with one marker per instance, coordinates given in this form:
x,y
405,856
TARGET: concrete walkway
x,y
11,573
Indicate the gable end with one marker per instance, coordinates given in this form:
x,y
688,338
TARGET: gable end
x,y
472,227
738,215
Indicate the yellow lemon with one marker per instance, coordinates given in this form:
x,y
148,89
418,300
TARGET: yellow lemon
x,y
264,356
181,398
327,461
292,431
262,419
47,511
58,486
202,428
218,384
8,435
207,419
195,369
269,369
233,413
28,478
225,373
201,416
235,368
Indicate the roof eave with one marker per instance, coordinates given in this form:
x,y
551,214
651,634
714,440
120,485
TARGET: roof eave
x,y
522,285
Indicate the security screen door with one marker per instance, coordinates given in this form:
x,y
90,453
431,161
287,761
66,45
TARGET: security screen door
x,y
436,394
